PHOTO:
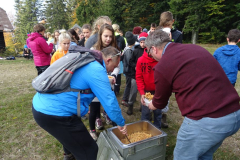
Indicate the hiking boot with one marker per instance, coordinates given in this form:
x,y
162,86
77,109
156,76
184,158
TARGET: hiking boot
x,y
68,157
124,103
107,119
130,109
98,124
164,121
94,135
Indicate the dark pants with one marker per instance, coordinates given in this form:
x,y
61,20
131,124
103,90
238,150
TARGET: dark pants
x,y
117,84
94,113
41,69
146,113
127,89
70,132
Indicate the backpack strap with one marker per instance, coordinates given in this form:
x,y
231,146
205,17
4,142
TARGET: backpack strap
x,y
85,91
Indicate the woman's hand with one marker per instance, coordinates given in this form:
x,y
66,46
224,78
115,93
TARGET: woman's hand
x,y
123,129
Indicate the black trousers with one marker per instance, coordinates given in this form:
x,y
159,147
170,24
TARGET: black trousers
x,y
127,89
71,133
118,84
41,69
94,113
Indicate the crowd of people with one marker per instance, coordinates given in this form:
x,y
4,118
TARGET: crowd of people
x,y
152,61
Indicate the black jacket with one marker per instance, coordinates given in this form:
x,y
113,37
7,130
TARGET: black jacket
x,y
137,53
176,35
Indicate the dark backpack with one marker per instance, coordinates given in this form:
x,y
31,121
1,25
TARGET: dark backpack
x,y
56,78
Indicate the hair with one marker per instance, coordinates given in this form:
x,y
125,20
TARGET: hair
x,y
55,39
157,39
109,51
38,28
233,35
48,34
64,35
76,28
166,19
137,30
73,35
116,27
86,26
153,25
99,44
99,22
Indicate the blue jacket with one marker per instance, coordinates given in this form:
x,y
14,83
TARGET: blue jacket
x,y
228,57
93,76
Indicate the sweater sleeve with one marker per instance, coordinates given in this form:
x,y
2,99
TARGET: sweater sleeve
x,y
139,78
162,91
45,47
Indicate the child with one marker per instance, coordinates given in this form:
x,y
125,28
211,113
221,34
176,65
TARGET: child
x,y
86,30
152,28
145,83
228,56
106,38
138,52
96,26
129,72
166,21
74,37
64,44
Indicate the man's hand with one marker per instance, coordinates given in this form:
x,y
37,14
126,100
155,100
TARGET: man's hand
x,y
150,106
123,129
142,100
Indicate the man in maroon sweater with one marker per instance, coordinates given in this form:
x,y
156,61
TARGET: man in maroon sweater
x,y
205,96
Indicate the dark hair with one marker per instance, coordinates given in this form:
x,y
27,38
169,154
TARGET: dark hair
x,y
233,35
166,19
153,25
73,35
99,45
86,26
38,28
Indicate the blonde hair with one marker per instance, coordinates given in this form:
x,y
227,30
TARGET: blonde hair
x,y
64,35
116,27
166,19
99,22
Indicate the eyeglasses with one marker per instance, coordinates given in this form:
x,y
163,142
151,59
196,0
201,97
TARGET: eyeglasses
x,y
118,54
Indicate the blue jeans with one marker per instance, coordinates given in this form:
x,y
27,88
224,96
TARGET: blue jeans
x,y
157,115
199,139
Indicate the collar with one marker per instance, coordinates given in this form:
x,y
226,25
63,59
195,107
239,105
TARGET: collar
x,y
104,64
165,48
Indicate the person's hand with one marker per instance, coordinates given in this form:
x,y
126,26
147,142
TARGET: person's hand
x,y
142,99
150,106
123,129
114,80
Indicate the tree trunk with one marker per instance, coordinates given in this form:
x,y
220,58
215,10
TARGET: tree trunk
x,y
194,36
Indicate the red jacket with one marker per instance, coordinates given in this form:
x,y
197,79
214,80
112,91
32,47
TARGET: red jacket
x,y
40,49
145,73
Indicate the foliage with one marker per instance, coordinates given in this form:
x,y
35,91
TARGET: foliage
x,y
25,19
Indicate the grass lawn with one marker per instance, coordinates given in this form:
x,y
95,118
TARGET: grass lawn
x,y
22,138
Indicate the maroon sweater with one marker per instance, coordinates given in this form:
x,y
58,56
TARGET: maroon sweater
x,y
201,87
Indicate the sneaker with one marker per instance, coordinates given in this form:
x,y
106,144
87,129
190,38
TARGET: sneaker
x,y
68,157
94,135
124,103
98,124
107,119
